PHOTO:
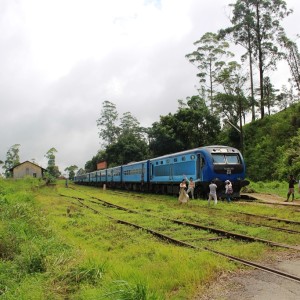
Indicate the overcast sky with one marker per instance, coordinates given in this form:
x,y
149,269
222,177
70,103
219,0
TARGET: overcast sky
x,y
60,59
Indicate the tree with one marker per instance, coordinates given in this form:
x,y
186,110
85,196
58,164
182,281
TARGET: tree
x,y
242,34
127,149
71,170
208,60
130,145
292,56
191,126
129,124
290,158
52,169
286,97
270,94
162,136
12,159
108,130
259,21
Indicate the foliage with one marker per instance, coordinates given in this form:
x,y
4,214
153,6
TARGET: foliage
x,y
256,24
71,170
290,158
52,169
272,146
191,126
292,56
12,159
208,60
122,143
127,149
108,129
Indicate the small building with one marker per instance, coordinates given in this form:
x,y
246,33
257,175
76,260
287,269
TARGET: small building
x,y
27,168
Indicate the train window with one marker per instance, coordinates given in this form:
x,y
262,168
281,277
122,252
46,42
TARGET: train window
x,y
225,159
192,156
161,162
157,163
232,159
175,159
218,158
183,158
167,161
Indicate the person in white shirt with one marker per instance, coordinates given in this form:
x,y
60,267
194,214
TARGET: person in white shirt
x,y
212,192
228,190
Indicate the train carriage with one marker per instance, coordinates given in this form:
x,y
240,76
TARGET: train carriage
x,y
82,178
135,176
114,177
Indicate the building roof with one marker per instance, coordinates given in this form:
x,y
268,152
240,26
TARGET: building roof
x,y
27,161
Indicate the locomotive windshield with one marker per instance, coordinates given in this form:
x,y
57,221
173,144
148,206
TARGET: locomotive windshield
x,y
226,158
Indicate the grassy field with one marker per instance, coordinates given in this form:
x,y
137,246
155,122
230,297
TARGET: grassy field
x,y
51,248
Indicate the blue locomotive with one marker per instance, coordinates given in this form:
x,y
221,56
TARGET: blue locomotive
x,y
163,174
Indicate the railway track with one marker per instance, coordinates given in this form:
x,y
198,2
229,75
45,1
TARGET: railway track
x,y
217,231
182,243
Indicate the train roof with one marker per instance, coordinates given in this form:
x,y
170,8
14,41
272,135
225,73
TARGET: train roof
x,y
210,149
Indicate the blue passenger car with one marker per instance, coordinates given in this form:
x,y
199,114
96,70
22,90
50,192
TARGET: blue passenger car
x,y
135,175
114,177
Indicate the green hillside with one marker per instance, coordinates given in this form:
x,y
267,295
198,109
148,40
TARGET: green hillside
x,y
272,146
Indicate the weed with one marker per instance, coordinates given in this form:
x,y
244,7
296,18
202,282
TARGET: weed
x,y
122,290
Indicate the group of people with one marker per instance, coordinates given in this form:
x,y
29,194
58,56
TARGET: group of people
x,y
213,192
188,186
184,191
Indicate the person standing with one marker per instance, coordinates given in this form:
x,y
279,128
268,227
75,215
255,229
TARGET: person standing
x,y
191,186
212,192
291,190
228,190
183,196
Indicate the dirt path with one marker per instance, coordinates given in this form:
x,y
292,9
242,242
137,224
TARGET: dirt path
x,y
272,198
258,285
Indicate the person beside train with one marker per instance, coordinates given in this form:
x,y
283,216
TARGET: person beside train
x,y
191,186
228,190
291,190
212,192
183,196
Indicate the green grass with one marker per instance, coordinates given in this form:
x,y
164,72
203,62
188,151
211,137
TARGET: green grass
x,y
272,187
51,248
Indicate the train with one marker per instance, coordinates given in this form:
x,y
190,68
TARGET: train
x,y
163,174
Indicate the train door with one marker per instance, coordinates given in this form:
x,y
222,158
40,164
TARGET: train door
x,y
171,171
142,173
200,167
201,186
